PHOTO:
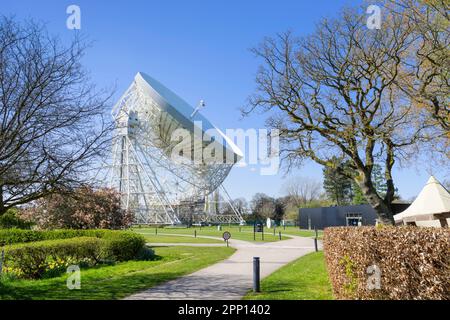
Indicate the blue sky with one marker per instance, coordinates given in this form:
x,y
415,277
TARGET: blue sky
x,y
199,49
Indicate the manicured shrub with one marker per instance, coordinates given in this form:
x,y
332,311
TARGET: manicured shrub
x,y
122,246
40,252
82,208
33,260
413,263
12,236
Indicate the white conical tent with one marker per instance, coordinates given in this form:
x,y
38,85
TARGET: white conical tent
x,y
432,203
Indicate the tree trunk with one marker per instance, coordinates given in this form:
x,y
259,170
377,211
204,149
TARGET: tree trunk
x,y
382,209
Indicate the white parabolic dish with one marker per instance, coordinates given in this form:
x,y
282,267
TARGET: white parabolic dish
x,y
149,118
175,113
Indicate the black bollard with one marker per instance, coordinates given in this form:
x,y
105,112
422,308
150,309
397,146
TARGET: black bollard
x,y
156,231
279,234
256,276
2,258
195,233
315,239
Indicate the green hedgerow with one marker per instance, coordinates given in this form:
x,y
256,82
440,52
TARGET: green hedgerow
x,y
122,246
48,258
33,260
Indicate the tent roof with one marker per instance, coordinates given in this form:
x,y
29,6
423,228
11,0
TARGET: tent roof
x,y
433,199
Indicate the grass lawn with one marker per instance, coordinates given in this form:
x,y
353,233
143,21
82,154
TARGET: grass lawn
x,y
119,280
304,279
246,232
301,233
152,238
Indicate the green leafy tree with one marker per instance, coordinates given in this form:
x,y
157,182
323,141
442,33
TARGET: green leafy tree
x,y
358,196
279,209
338,186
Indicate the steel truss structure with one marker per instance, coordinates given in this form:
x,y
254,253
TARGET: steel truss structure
x,y
156,183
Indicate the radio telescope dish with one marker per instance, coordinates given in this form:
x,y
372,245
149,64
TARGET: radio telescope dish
x,y
167,159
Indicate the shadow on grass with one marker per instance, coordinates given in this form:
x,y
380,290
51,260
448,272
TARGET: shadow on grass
x,y
56,289
116,281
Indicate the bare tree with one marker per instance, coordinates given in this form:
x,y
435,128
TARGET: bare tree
x,y
302,190
262,206
241,205
426,72
333,93
52,128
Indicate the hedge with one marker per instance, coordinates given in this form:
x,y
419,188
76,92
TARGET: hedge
x,y
414,263
122,246
33,260
12,236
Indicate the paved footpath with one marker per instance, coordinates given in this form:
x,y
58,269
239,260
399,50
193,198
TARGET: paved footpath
x,y
230,278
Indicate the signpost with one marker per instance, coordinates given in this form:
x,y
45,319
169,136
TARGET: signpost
x,y
258,227
226,236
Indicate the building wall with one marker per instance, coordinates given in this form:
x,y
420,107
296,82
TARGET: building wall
x,y
321,218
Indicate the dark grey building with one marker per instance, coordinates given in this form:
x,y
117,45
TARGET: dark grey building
x,y
320,218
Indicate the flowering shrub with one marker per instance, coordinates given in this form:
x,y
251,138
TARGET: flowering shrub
x,y
84,208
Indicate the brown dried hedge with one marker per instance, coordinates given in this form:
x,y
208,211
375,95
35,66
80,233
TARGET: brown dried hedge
x,y
414,262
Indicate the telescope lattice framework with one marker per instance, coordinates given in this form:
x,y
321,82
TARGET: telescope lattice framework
x,y
163,180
